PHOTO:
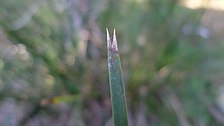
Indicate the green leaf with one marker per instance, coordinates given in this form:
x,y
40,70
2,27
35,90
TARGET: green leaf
x,y
117,92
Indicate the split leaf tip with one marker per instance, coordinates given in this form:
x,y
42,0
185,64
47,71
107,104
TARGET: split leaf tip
x,y
112,45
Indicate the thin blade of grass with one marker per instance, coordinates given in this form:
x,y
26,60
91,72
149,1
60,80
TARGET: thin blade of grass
x,y
117,92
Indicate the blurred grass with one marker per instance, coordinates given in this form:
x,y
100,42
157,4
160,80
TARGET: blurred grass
x,y
172,60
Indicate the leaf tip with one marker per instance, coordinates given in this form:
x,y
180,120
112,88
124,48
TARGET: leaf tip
x,y
108,39
114,43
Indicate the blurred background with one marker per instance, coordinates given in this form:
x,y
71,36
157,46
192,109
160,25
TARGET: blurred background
x,y
53,62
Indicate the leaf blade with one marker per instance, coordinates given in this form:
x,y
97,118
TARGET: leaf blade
x,y
117,91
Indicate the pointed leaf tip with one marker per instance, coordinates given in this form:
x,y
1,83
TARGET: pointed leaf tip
x,y
114,43
108,39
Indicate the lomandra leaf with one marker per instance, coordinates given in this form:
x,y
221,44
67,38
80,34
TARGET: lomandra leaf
x,y
117,91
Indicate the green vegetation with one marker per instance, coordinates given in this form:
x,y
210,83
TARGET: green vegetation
x,y
117,90
53,63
